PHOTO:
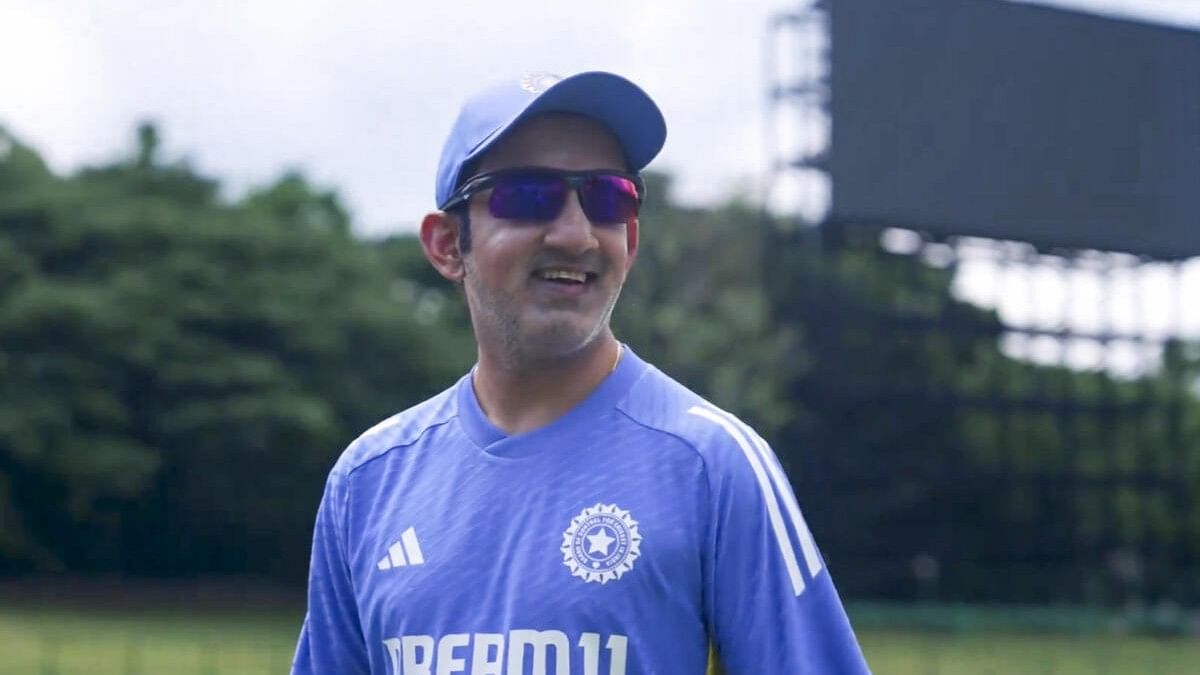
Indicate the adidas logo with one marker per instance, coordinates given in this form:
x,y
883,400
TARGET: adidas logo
x,y
404,552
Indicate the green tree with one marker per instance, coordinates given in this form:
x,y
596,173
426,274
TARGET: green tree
x,y
180,371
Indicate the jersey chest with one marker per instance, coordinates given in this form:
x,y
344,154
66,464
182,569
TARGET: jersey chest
x,y
595,545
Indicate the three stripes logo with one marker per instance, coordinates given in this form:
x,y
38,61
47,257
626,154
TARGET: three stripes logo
x,y
774,488
404,552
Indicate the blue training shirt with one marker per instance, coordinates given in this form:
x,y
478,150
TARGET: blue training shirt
x,y
620,539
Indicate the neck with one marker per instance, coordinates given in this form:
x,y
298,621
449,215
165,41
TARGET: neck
x,y
520,395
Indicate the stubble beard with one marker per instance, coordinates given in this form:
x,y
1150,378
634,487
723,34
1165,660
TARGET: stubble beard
x,y
496,318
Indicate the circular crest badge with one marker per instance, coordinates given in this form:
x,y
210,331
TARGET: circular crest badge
x,y
601,543
536,83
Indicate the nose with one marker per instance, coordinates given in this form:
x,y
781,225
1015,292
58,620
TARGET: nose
x,y
571,232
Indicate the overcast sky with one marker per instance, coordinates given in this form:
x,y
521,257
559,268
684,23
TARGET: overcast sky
x,y
360,94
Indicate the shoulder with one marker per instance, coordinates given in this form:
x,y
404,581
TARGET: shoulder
x,y
398,431
720,439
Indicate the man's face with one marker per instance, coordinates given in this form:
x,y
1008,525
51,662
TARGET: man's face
x,y
514,306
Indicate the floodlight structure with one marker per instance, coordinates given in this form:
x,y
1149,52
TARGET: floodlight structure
x,y
798,121
1047,163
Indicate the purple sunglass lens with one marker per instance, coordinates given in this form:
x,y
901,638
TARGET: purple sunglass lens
x,y
609,199
528,197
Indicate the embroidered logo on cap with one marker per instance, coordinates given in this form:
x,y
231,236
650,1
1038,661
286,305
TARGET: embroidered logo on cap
x,y
536,83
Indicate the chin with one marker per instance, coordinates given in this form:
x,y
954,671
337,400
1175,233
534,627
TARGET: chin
x,y
561,340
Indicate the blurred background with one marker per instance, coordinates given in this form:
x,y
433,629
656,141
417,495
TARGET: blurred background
x,y
942,253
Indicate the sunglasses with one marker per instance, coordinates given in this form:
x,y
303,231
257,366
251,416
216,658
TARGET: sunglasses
x,y
537,194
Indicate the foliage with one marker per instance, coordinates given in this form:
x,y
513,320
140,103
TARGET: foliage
x,y
175,363
931,464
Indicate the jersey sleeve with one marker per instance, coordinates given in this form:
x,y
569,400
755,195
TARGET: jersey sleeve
x,y
771,604
331,639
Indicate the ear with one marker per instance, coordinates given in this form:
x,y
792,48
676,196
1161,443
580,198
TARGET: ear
x,y
631,242
439,241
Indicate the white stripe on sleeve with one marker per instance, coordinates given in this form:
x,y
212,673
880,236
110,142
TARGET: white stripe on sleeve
x,y
784,489
768,495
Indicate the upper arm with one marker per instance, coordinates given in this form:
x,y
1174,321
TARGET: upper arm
x,y
771,604
331,639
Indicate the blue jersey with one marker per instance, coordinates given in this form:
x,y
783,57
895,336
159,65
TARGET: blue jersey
x,y
623,538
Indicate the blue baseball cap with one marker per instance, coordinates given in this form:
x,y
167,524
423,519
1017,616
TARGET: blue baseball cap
x,y
610,99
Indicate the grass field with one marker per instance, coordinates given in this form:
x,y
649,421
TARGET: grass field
x,y
42,641
894,653
109,641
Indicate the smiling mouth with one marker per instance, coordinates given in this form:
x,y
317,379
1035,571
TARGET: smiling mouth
x,y
565,277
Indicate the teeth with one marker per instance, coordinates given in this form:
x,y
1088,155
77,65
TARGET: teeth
x,y
577,277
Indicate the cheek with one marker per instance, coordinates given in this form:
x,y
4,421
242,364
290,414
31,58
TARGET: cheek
x,y
619,246
502,257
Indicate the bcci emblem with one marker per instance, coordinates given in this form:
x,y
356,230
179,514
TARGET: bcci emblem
x,y
601,543
536,83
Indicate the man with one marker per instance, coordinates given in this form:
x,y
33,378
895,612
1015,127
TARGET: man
x,y
565,507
